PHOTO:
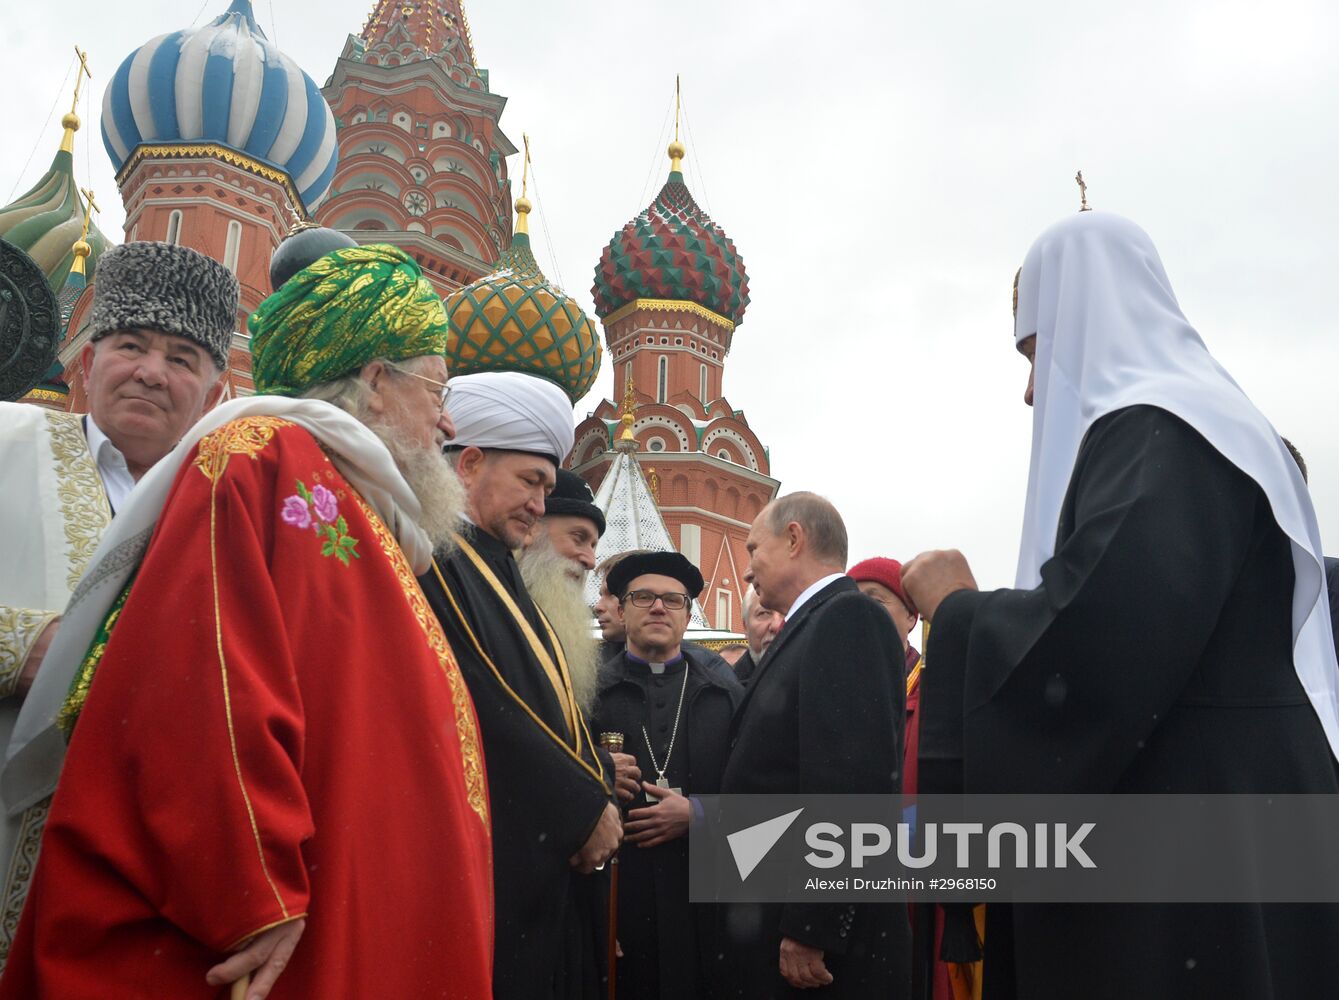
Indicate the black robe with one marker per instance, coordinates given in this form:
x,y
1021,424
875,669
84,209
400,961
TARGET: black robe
x,y
545,796
823,714
662,935
1155,657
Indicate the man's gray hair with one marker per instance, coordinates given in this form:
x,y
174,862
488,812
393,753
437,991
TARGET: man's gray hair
x,y
749,597
349,392
823,526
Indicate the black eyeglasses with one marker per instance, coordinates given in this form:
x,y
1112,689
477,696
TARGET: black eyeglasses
x,y
443,390
648,598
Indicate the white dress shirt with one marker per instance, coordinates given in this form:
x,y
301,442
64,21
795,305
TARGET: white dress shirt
x,y
112,468
810,591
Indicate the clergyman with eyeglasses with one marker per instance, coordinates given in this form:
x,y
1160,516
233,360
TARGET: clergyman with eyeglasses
x,y
672,701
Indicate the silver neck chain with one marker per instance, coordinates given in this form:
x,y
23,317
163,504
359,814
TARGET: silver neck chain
x,y
660,771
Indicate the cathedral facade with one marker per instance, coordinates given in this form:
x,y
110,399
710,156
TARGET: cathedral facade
x,y
222,143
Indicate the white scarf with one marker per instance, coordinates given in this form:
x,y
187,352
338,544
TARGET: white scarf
x,y
37,748
1110,334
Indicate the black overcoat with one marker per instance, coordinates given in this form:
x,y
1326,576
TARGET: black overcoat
x,y
1155,657
545,796
822,714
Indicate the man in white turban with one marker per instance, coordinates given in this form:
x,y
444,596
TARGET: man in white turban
x,y
553,818
1168,632
508,411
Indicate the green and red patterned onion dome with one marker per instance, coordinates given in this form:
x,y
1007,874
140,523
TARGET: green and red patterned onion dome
x,y
516,320
672,252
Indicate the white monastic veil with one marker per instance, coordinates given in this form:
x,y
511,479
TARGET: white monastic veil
x,y
1110,334
37,748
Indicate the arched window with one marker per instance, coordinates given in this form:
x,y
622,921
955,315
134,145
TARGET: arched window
x,y
702,389
174,226
724,604
662,379
232,248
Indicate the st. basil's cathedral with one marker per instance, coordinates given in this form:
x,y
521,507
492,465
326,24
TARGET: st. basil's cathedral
x,y
223,143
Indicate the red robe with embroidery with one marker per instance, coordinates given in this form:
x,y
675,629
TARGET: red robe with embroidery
x,y
277,728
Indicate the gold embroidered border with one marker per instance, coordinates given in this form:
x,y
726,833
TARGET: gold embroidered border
x,y
19,875
466,730
82,681
497,674
247,436
555,672
83,501
212,460
19,629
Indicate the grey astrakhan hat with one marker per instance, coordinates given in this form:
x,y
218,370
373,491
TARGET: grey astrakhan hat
x,y
169,288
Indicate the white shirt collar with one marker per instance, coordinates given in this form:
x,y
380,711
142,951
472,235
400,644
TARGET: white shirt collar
x,y
810,591
112,467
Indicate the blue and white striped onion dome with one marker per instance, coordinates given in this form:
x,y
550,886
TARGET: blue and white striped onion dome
x,y
226,84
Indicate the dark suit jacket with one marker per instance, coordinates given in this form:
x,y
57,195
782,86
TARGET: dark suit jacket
x,y
823,713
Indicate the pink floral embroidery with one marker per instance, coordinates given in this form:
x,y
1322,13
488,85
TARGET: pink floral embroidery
x,y
296,512
329,524
325,504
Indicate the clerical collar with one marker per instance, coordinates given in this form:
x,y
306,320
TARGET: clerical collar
x,y
655,668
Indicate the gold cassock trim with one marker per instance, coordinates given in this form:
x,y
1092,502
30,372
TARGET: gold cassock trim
x,y
575,754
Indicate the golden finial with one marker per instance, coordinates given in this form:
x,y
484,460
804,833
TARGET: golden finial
x,y
1083,193
523,205
625,435
71,121
82,248
676,148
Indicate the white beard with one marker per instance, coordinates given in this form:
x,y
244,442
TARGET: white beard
x,y
562,598
440,492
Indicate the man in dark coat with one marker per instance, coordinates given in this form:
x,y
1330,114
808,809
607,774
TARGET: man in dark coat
x,y
822,714
553,818
673,705
1150,647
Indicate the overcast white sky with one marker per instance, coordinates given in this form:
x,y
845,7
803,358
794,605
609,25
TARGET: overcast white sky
x,y
882,167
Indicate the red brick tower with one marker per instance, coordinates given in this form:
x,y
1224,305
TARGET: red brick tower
x,y
422,158
670,290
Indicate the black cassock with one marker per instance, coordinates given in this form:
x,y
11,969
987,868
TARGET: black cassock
x,y
823,713
661,933
546,788
1155,657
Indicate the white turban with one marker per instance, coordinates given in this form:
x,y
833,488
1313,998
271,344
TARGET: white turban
x,y
512,412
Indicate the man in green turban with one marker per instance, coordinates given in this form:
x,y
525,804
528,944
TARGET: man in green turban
x,y
275,628
346,309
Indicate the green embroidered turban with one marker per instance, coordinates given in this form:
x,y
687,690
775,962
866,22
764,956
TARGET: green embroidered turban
x,y
350,307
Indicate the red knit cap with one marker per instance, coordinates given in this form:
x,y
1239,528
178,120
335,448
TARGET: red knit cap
x,y
885,571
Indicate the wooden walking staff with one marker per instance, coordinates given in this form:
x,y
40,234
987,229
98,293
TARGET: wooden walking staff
x,y
613,742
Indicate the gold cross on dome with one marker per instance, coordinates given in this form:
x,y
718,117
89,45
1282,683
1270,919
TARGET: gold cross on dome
x,y
88,212
1083,193
82,72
